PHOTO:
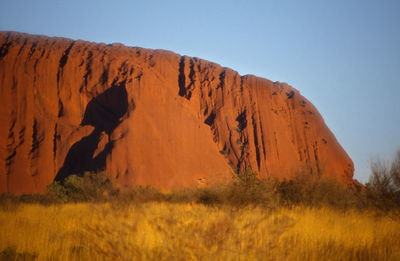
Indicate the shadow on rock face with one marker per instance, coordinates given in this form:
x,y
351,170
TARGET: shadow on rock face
x,y
103,113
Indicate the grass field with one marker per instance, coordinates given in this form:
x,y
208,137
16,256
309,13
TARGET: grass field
x,y
189,231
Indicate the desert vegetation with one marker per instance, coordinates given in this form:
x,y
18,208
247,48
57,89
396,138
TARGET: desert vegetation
x,y
90,218
192,231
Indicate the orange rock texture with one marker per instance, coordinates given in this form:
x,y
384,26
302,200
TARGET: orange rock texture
x,y
148,117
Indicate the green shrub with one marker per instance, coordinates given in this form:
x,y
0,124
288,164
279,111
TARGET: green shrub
x,y
57,193
89,187
209,196
308,190
248,189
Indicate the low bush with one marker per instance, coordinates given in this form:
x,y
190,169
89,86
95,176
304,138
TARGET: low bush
x,y
248,189
89,187
316,192
245,189
381,193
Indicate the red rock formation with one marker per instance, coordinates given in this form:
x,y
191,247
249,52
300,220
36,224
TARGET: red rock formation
x,y
148,117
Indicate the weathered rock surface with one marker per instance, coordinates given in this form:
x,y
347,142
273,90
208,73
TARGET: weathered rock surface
x,y
148,117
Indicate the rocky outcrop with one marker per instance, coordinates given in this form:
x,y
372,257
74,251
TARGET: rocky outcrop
x,y
148,117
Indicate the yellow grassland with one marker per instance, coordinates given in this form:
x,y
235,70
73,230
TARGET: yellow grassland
x,y
167,231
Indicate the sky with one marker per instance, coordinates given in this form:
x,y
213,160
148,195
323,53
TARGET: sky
x,y
342,55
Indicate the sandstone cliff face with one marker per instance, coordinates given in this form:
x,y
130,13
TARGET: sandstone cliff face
x,y
148,117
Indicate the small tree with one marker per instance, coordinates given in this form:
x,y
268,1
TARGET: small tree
x,y
384,185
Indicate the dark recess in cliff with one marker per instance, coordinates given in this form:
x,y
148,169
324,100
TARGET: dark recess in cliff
x,y
103,113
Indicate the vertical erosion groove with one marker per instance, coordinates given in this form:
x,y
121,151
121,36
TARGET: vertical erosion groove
x,y
60,73
22,47
55,138
11,150
210,119
242,121
186,90
181,77
64,57
221,80
256,143
89,59
35,139
276,146
4,49
21,136
191,78
262,138
31,51
242,124
315,148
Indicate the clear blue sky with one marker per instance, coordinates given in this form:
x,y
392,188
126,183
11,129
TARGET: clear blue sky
x,y
343,55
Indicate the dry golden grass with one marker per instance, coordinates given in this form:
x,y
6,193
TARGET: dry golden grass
x,y
166,231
